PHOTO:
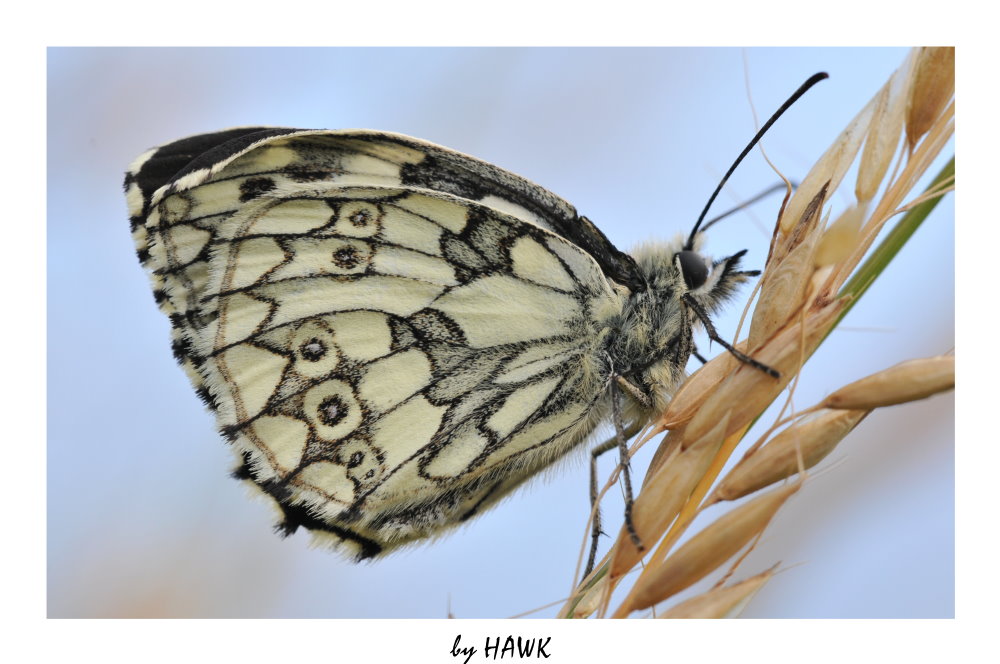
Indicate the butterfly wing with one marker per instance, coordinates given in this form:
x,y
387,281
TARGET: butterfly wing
x,y
387,359
275,154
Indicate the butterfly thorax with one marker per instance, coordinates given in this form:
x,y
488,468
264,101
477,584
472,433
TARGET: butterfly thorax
x,y
653,334
652,338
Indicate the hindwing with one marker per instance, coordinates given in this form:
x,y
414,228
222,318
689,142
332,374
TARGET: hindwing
x,y
387,355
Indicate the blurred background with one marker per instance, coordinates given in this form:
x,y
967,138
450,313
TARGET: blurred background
x,y
142,519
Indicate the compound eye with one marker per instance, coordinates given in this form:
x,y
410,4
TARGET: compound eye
x,y
693,267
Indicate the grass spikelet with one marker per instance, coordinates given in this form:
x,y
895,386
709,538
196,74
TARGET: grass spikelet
x,y
747,391
707,550
721,602
814,275
591,599
799,447
829,170
932,89
840,237
907,381
692,393
784,286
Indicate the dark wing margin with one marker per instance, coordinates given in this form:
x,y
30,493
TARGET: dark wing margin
x,y
175,160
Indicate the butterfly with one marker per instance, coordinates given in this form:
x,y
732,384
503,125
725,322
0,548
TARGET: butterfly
x,y
393,335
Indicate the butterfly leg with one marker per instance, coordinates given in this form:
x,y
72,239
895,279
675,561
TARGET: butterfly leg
x,y
597,529
626,468
714,336
697,355
634,392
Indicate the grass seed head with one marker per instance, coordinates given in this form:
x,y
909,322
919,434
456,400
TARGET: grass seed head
x,y
591,600
810,280
883,134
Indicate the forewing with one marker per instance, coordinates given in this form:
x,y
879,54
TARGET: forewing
x,y
247,162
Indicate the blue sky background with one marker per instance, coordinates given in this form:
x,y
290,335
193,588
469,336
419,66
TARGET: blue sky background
x,y
142,520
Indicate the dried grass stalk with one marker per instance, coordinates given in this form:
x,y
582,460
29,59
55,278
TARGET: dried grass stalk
x,y
807,287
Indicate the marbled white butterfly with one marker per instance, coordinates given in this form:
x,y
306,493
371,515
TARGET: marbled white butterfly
x,y
394,335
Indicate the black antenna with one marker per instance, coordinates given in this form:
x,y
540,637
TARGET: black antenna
x,y
781,186
813,80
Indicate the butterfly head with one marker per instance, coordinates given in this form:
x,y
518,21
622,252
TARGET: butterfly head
x,y
675,269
